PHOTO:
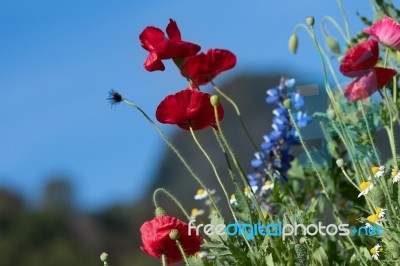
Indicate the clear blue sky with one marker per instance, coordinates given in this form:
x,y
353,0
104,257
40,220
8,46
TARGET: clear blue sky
x,y
59,58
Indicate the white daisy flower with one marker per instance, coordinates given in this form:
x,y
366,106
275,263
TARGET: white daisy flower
x,y
267,185
395,175
233,200
248,191
202,194
375,251
213,212
201,254
196,212
378,171
380,212
365,187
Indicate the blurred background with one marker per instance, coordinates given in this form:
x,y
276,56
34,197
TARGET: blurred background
x,y
76,174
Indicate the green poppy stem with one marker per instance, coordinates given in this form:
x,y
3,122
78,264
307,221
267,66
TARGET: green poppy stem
x,y
177,153
164,260
172,197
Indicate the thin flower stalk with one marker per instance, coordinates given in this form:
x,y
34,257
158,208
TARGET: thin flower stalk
x,y
176,152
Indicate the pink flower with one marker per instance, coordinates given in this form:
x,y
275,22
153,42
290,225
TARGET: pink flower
x,y
359,63
386,31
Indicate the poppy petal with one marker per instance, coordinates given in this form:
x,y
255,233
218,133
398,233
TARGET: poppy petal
x,y
362,87
203,68
150,37
173,31
386,31
153,62
188,108
383,75
361,57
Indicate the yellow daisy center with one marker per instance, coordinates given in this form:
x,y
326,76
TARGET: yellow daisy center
x,y
213,211
267,183
394,172
247,190
365,185
200,191
374,169
378,210
195,211
373,218
233,197
372,250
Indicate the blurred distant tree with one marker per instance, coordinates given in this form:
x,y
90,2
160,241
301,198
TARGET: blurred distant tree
x,y
58,196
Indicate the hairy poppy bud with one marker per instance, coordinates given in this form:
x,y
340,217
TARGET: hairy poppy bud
x,y
333,45
310,20
293,43
159,212
340,162
331,114
103,257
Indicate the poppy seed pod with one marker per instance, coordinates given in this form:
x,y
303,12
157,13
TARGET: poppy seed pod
x,y
214,100
174,234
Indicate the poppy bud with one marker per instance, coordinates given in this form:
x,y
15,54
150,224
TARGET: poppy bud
x,y
331,114
293,43
174,234
310,20
159,212
103,257
340,162
333,149
287,103
333,45
214,100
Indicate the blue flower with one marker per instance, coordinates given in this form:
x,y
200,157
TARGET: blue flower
x,y
275,159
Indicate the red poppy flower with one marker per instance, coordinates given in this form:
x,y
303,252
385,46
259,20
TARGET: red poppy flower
x,y
156,240
204,67
386,31
365,85
359,63
188,108
153,40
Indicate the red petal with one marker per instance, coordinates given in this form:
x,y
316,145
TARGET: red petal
x,y
150,37
361,57
365,85
188,108
203,68
173,31
176,49
383,75
153,62
156,240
